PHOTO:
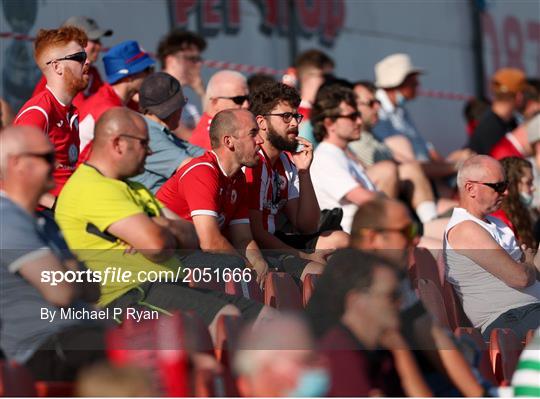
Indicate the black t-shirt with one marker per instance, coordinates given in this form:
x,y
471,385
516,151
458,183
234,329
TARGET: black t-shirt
x,y
489,131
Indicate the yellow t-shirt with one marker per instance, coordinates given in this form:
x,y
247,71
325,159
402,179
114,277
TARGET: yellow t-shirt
x,y
88,204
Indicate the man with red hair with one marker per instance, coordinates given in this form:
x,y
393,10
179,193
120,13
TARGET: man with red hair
x,y
60,55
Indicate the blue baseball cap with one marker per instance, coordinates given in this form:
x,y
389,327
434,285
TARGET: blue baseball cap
x,y
125,59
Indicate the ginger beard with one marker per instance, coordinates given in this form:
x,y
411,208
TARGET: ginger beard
x,y
282,143
75,84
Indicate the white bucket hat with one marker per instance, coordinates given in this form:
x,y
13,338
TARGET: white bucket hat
x,y
391,71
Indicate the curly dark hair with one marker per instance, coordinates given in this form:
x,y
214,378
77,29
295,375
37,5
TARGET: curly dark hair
x,y
327,104
347,270
176,40
513,207
269,95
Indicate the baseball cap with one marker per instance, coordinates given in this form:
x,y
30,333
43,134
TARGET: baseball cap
x,y
125,59
391,71
533,129
161,94
508,80
89,26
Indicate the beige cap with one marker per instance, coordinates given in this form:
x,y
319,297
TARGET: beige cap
x,y
392,70
533,129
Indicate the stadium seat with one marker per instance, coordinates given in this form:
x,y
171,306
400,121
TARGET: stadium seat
x,y
47,389
155,345
15,380
484,365
281,292
228,331
504,348
308,286
208,384
454,310
431,296
198,338
425,266
247,289
529,337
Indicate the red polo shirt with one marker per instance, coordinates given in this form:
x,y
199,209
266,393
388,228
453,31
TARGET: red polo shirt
x,y
61,124
202,188
201,133
508,146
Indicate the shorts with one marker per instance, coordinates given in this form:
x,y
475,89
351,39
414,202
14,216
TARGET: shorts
x,y
168,297
520,320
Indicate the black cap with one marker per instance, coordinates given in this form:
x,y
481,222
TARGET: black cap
x,y
161,94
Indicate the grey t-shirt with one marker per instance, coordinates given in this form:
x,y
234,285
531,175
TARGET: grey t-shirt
x,y
22,238
168,152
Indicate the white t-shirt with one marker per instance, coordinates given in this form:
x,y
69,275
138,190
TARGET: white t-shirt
x,y
334,174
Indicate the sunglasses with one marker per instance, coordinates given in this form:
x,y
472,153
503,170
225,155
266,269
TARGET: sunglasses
x,y
499,187
144,142
410,231
193,58
79,57
352,116
238,100
370,103
288,116
47,156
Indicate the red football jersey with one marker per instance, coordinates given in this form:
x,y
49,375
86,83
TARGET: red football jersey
x,y
92,109
201,188
94,83
508,146
270,187
201,133
60,123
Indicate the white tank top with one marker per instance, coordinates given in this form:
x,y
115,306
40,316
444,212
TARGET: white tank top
x,y
484,296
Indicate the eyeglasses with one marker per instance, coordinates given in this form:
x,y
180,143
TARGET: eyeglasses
x,y
192,58
79,57
499,187
410,231
352,116
144,142
370,103
47,156
288,116
238,100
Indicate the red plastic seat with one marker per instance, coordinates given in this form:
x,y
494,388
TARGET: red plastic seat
x,y
198,338
157,345
425,266
308,286
15,380
454,309
431,296
484,365
248,289
281,292
228,331
47,389
504,348
529,337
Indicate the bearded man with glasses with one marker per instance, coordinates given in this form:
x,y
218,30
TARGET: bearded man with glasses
x,y
280,187
226,90
496,280
60,55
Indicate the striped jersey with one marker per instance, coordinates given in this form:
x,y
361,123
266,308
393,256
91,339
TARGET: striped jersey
x,y
271,186
526,378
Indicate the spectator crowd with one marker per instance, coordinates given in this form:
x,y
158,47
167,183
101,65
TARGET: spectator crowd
x,y
325,189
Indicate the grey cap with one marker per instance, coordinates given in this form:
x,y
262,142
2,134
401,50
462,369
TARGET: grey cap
x,y
88,25
533,129
161,94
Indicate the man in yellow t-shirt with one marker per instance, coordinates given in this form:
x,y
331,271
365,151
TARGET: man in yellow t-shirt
x,y
110,222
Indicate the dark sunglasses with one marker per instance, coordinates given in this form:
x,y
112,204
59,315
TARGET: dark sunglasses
x,y
47,156
238,100
144,142
370,103
352,116
410,231
288,116
193,58
79,57
499,187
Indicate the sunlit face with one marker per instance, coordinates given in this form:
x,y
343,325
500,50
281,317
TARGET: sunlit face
x,y
232,95
526,183
281,134
247,140
185,64
93,48
487,198
74,73
346,126
368,105
409,87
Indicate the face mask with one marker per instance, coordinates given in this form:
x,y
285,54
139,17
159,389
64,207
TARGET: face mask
x,y
526,199
312,383
400,99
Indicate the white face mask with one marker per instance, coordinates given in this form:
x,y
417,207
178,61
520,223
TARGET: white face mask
x,y
526,199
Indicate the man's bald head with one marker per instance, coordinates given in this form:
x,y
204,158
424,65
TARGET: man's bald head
x,y
222,82
113,122
227,122
15,140
479,168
